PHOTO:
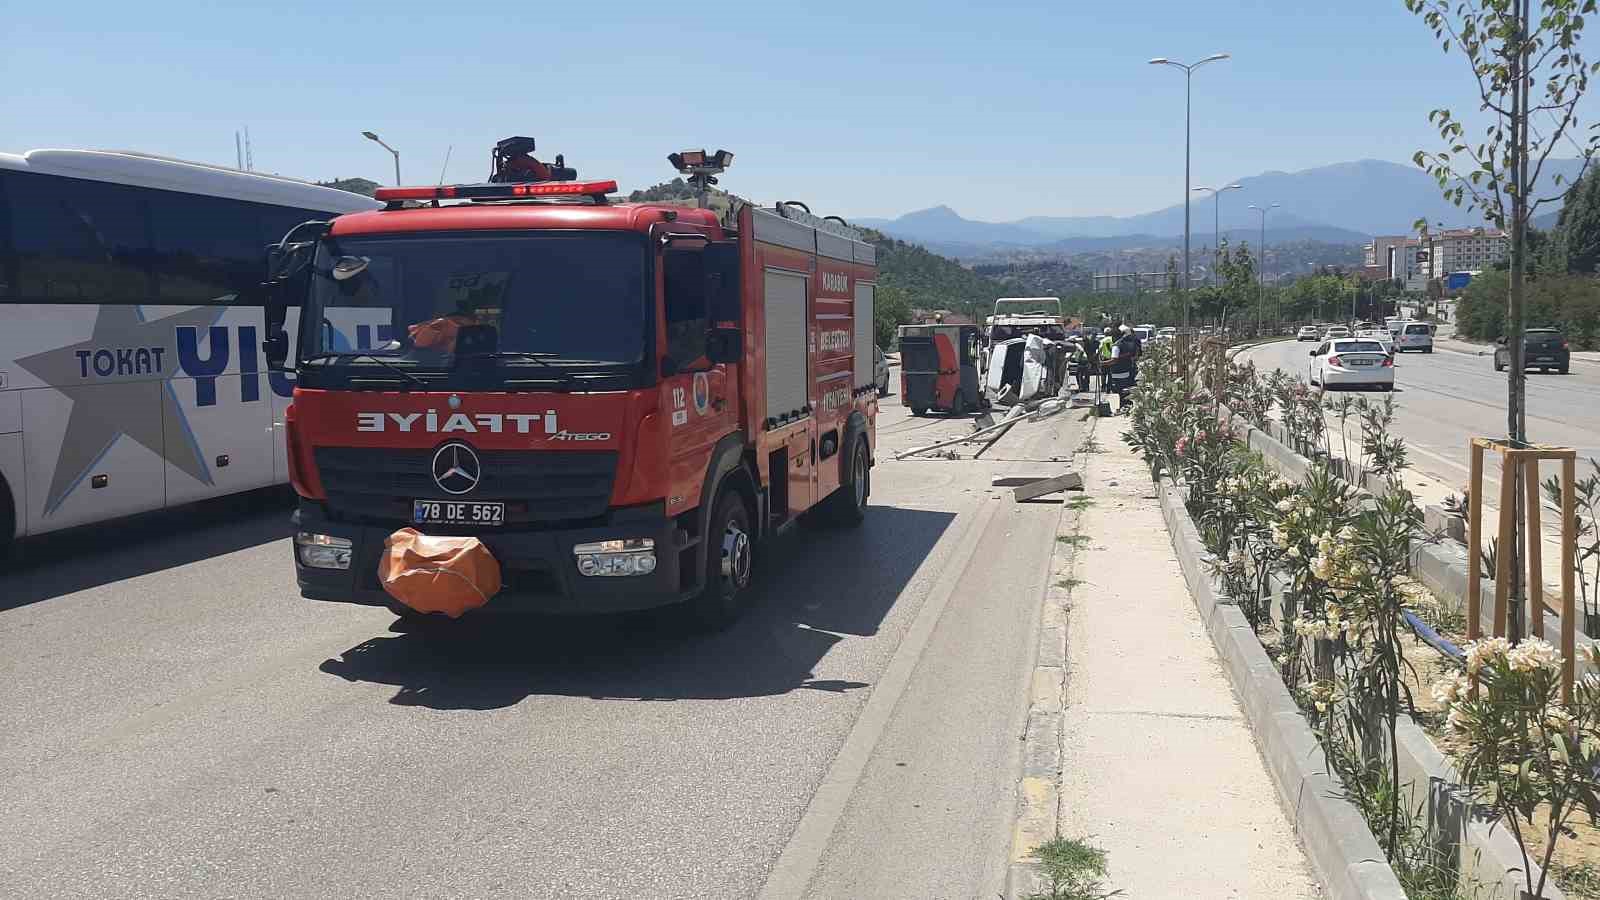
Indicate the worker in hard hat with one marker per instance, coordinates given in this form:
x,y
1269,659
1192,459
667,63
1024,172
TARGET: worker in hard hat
x,y
1124,365
1103,356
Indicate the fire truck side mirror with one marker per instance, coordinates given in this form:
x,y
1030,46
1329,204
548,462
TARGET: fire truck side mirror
x,y
724,345
276,349
275,341
723,288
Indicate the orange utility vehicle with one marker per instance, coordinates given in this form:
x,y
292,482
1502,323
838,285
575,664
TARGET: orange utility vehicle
x,y
939,368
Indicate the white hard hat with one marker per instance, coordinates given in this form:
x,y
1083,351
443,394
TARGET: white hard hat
x,y
1126,329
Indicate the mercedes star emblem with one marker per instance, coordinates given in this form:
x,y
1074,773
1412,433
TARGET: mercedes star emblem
x,y
456,469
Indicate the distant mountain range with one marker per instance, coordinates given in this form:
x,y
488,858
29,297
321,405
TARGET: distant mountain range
x,y
1341,203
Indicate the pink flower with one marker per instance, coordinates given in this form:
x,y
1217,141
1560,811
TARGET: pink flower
x,y
1183,445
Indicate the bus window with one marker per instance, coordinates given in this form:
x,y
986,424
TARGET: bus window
x,y
206,249
78,241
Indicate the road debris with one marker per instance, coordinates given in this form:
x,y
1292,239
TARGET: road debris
x,y
1040,487
998,430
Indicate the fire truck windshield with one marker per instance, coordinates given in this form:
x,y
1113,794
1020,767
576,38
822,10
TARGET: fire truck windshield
x,y
429,301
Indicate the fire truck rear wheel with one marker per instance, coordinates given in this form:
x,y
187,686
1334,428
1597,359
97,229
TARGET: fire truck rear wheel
x,y
847,506
729,560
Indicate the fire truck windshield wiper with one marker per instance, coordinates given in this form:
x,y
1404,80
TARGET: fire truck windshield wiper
x,y
529,355
351,357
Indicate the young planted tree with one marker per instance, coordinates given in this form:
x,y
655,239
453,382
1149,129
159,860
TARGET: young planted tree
x,y
1530,74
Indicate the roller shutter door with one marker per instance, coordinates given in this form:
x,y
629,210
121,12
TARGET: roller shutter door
x,y
863,335
785,302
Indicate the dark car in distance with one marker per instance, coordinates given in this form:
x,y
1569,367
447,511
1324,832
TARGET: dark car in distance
x,y
1542,348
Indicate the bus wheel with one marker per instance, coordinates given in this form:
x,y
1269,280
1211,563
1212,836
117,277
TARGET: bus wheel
x,y
8,527
730,554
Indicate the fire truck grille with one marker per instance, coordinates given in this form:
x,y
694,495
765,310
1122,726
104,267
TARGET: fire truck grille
x,y
538,488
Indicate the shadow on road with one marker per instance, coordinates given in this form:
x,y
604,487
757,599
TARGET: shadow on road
x,y
810,589
93,555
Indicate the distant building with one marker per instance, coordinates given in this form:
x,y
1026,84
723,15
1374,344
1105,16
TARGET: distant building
x,y
1373,273
1465,249
1407,263
1377,252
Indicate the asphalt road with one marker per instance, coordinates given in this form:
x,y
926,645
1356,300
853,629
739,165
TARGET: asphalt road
x,y
1447,397
178,722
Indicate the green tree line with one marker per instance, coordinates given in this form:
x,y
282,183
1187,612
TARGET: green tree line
x,y
1563,279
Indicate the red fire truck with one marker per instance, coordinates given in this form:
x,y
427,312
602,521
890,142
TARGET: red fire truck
x,y
621,401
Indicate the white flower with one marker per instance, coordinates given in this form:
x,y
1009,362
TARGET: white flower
x,y
1294,552
1532,654
1347,533
1482,651
1322,567
1285,505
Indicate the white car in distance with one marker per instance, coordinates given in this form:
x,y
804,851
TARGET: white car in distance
x,y
1352,363
1381,335
1415,336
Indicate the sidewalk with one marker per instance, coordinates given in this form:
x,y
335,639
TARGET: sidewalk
x,y
1159,767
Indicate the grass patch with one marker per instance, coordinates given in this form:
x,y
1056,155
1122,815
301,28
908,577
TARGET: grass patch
x,y
1073,540
1074,869
1080,503
1580,881
1069,583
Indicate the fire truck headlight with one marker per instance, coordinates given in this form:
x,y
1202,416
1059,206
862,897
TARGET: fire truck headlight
x,y
322,551
616,558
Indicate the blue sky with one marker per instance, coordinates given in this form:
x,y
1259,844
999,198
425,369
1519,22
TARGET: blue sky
x,y
1000,110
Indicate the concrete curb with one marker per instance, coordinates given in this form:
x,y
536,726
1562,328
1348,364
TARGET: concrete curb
x,y
1038,809
1348,861
1491,863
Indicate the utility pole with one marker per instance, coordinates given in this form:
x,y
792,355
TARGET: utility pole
x,y
1216,225
396,153
1261,264
1188,73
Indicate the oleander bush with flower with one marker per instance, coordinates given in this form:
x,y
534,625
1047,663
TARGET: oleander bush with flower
x,y
1521,751
1236,528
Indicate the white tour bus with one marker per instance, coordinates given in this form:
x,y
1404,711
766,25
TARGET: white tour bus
x,y
131,376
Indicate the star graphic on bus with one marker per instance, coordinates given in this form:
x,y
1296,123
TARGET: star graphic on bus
x,y
104,409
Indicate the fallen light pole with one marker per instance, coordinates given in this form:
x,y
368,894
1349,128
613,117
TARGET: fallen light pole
x,y
1033,411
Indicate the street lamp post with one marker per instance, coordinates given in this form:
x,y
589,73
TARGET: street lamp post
x,y
1188,73
1216,224
1261,261
373,137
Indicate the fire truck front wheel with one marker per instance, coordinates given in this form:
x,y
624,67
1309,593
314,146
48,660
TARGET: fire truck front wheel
x,y
729,560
